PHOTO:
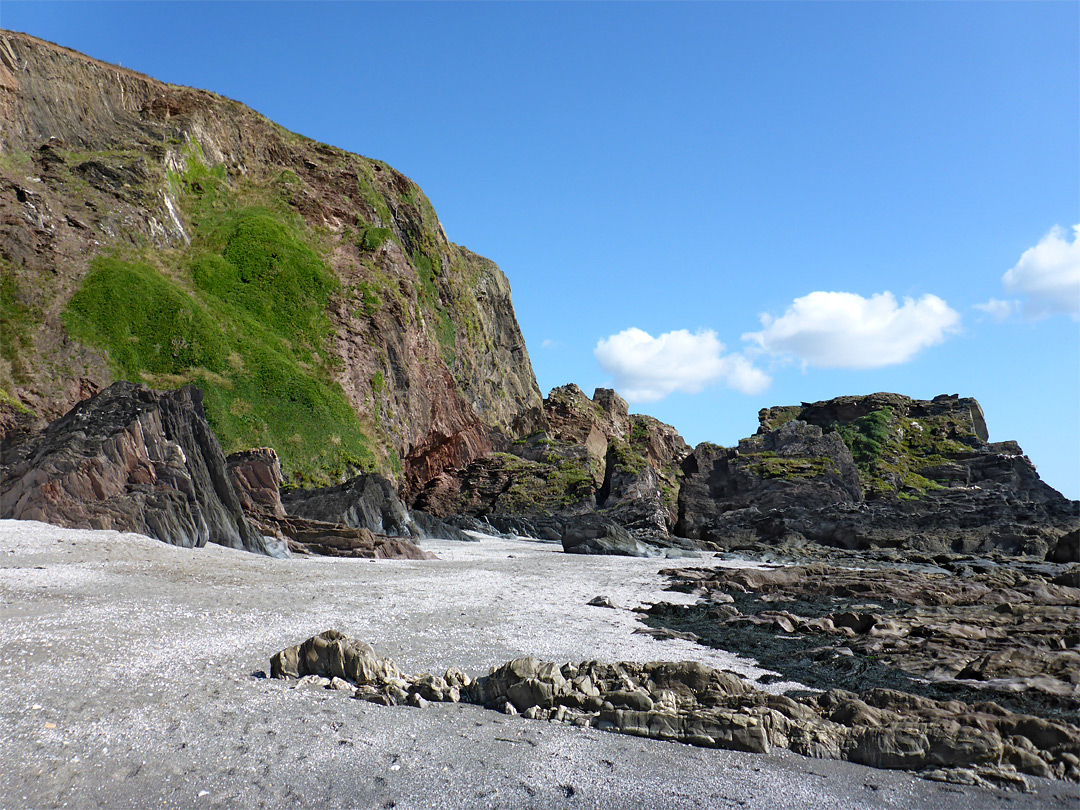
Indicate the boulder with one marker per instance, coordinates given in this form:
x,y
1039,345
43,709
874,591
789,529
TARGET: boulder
x,y
367,501
1066,549
429,526
256,475
135,460
592,534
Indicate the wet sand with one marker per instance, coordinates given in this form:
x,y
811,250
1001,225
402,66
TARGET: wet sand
x,y
127,672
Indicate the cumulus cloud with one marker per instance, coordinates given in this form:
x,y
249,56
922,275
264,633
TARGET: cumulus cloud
x,y
845,330
647,368
1048,275
997,309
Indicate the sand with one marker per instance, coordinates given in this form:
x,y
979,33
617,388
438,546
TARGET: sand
x,y
127,669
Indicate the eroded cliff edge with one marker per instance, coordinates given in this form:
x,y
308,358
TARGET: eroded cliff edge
x,y
173,236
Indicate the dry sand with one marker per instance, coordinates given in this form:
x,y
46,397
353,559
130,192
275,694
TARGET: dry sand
x,y
126,674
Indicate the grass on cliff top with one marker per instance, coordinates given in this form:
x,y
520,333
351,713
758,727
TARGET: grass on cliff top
x,y
245,321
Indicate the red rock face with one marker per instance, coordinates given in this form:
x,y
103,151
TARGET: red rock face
x,y
256,474
432,362
133,460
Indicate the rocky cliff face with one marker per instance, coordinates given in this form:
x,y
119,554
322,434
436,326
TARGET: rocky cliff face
x,y
881,470
169,235
594,460
133,460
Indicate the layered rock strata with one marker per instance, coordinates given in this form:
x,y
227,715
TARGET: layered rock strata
x,y
423,366
135,460
877,471
691,703
594,462
256,475
999,629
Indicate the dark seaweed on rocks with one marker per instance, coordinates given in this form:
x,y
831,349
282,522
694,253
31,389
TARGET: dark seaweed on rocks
x,y
954,627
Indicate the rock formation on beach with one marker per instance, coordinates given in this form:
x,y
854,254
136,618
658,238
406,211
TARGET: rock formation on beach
x,y
168,235
256,476
952,626
594,464
145,461
134,460
690,703
181,278
875,471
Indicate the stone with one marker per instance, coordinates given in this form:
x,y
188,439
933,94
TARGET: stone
x,y
691,703
594,535
134,133
256,475
601,601
367,501
925,479
131,459
1066,549
592,457
985,631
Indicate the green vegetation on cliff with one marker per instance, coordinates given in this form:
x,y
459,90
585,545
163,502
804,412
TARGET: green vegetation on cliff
x,y
768,464
893,452
537,486
242,314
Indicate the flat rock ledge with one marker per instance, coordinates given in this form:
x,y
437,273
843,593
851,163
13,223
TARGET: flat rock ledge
x,y
688,702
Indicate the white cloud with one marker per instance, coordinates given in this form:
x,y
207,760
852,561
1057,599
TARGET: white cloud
x,y
1048,275
845,330
548,343
646,369
997,309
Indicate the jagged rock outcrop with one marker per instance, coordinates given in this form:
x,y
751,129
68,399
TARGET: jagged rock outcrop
x,y
795,466
691,703
365,502
593,459
256,475
405,356
876,471
135,460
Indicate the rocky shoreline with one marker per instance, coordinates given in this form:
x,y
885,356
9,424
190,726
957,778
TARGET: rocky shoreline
x,y
170,713
952,627
980,744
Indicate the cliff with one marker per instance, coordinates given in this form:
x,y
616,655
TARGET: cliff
x,y
168,235
882,470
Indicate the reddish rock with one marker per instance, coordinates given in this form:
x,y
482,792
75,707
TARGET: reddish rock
x,y
135,460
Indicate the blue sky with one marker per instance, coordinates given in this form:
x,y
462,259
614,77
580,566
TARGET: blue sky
x,y
656,178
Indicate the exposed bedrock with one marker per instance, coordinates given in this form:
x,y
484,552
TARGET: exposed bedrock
x,y
691,703
999,629
130,459
593,459
422,361
256,474
876,471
